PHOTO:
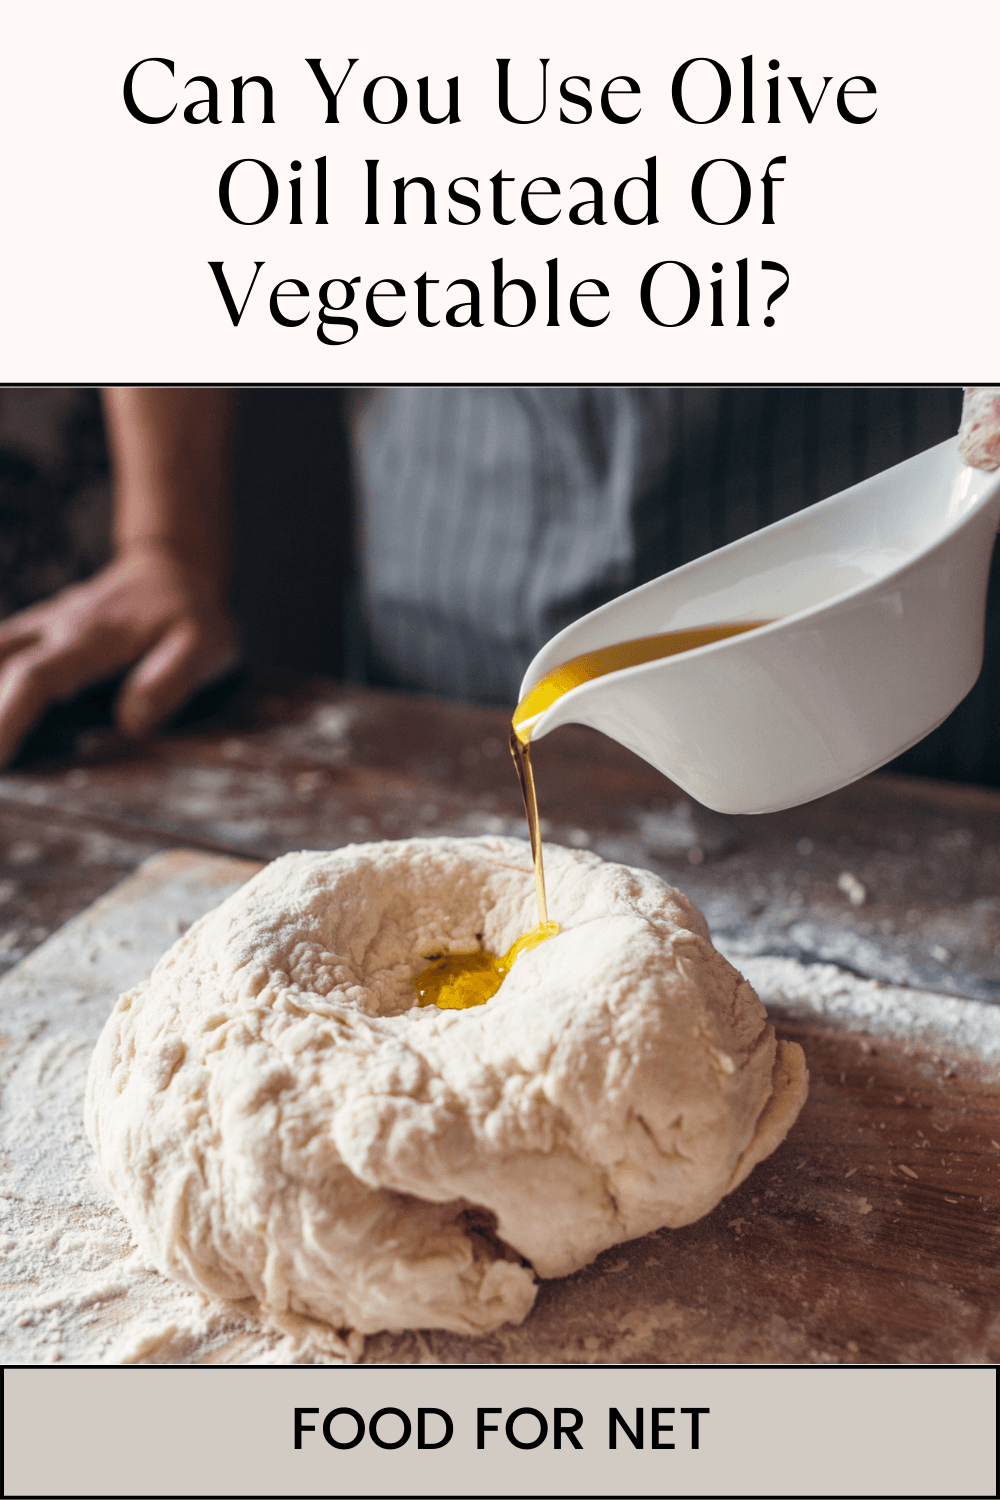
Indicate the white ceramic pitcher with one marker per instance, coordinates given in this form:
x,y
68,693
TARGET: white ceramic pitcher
x,y
877,597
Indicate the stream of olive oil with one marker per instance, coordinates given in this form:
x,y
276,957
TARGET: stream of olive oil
x,y
458,981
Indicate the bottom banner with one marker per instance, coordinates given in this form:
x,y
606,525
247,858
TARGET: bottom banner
x,y
500,1430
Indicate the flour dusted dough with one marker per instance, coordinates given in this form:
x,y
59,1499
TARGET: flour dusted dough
x,y
275,1116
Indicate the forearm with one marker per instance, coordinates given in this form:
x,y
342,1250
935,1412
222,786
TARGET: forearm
x,y
170,454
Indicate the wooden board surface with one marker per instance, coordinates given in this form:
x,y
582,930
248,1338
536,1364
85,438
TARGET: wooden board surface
x,y
307,764
872,1234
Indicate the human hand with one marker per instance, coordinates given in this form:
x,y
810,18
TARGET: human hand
x,y
150,612
979,434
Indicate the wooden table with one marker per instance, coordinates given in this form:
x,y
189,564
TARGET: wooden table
x,y
872,1234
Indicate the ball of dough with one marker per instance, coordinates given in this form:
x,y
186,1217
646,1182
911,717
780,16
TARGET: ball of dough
x,y
276,1116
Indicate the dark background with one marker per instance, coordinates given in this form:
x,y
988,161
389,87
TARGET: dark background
x,y
292,574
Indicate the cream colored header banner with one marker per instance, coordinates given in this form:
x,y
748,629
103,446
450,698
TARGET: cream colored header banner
x,y
442,1430
544,191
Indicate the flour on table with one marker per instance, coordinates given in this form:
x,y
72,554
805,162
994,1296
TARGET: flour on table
x,y
277,1119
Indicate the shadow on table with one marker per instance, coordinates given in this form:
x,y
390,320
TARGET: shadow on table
x,y
68,730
